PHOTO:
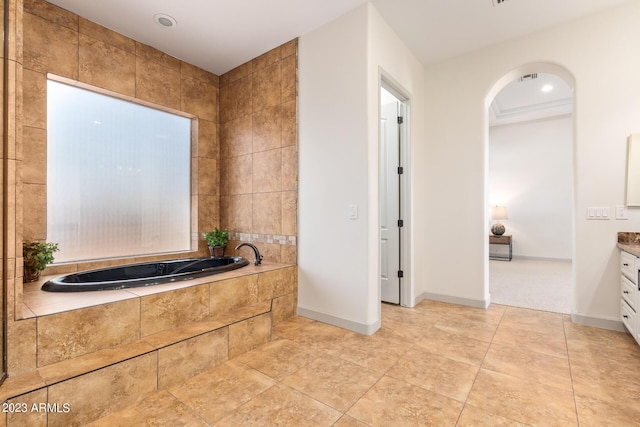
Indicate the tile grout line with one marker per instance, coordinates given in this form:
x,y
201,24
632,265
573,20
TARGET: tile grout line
x,y
573,391
357,400
189,408
480,368
378,380
281,382
464,404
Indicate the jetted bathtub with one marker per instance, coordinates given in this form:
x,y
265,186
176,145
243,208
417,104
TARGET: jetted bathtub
x,y
143,274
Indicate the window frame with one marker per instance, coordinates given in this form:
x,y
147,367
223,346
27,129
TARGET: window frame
x,y
193,206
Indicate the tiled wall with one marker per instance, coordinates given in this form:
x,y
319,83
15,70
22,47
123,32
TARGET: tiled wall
x,y
258,152
59,42
21,344
257,134
245,176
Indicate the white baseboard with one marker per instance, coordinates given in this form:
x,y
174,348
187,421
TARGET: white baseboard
x,y
369,329
452,300
598,322
538,258
361,328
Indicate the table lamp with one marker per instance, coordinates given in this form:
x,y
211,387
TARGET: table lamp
x,y
498,213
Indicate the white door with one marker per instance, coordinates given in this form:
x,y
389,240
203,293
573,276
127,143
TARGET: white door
x,y
390,202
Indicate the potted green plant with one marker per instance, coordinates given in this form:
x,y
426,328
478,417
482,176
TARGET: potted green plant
x,y
36,256
217,240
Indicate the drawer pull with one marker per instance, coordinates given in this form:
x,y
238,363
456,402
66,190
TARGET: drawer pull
x,y
625,316
625,264
625,292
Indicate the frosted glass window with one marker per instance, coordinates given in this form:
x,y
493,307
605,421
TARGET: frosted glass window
x,y
118,176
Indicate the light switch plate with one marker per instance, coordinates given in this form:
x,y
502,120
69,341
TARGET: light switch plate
x,y
353,211
622,212
598,212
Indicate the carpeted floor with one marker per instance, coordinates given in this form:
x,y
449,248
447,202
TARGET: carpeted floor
x,y
541,285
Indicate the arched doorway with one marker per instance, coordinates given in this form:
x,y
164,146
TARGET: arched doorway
x,y
529,174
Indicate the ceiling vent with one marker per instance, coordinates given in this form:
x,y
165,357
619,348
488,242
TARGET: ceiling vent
x,y
498,2
527,76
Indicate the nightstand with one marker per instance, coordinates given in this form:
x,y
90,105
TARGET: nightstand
x,y
500,240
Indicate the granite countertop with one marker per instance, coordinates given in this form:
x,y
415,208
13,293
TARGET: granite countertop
x,y
629,241
632,249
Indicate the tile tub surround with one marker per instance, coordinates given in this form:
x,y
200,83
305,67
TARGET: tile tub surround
x,y
48,39
126,364
44,38
40,303
59,42
155,309
258,153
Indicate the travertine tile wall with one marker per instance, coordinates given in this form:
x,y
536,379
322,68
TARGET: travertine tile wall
x,y
46,39
43,38
21,343
258,152
59,42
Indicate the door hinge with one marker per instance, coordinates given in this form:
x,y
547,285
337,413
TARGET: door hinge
x,y
400,274
400,120
400,223
400,170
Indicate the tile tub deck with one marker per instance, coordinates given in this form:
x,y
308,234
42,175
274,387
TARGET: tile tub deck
x,y
127,344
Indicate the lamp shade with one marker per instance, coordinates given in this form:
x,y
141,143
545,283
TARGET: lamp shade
x,y
499,212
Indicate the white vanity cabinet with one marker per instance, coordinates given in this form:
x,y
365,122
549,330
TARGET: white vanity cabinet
x,y
629,293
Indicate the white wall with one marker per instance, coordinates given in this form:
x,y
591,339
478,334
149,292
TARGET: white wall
x,y
531,173
338,79
333,155
600,51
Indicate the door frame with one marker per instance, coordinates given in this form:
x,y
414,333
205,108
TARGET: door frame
x,y
406,236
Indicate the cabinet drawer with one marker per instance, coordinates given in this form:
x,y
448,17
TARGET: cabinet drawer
x,y
628,266
628,317
628,292
500,240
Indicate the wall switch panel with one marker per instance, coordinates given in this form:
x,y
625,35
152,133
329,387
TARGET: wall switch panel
x,y
353,211
622,212
598,212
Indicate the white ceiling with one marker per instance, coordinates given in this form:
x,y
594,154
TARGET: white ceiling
x,y
526,100
439,29
218,35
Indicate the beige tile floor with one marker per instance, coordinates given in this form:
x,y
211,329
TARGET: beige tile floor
x,y
437,364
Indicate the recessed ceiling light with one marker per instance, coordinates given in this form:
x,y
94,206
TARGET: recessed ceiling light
x,y
165,20
547,88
